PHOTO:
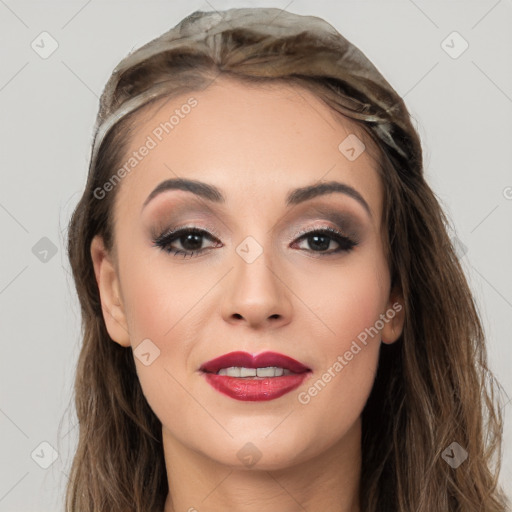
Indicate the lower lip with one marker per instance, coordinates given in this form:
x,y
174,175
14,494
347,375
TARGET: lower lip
x,y
255,390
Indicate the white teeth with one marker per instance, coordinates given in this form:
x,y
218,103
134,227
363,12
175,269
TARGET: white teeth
x,y
246,372
270,371
230,372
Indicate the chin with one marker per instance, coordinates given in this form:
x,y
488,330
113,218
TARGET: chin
x,y
258,452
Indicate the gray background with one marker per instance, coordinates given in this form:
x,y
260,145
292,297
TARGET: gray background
x,y
461,106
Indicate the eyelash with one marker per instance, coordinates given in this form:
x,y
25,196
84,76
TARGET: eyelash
x,y
164,240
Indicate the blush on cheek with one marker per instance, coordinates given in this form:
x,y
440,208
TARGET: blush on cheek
x,y
355,315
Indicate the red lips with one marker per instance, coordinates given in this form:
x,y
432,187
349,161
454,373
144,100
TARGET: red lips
x,y
246,360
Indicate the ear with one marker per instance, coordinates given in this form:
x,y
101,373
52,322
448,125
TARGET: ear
x,y
108,285
394,317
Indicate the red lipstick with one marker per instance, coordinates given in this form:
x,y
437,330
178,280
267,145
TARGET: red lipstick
x,y
290,375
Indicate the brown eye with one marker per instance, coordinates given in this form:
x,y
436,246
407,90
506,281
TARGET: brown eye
x,y
319,240
190,239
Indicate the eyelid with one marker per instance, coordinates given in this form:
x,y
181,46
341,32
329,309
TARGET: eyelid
x,y
212,234
345,224
166,232
324,227
344,221
346,244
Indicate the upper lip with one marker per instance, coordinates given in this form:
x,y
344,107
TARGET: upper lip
x,y
246,360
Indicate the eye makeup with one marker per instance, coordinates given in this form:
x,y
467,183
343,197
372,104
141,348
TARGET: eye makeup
x,y
346,232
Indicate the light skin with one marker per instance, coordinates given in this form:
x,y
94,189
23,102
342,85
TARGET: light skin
x,y
297,298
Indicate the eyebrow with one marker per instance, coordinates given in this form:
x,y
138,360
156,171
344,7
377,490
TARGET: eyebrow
x,y
294,196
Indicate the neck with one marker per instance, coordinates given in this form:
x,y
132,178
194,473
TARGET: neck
x,y
328,482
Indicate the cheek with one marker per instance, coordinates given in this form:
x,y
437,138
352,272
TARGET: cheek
x,y
158,309
158,298
343,300
349,302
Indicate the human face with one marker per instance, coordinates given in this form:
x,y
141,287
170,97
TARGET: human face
x,y
305,297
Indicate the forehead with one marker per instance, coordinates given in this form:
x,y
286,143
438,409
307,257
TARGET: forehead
x,y
253,141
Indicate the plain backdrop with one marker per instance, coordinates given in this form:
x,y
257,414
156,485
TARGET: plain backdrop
x,y
460,100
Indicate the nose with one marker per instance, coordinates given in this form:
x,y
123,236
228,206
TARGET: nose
x,y
256,294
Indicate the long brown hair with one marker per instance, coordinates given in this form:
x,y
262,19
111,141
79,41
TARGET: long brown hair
x,y
433,386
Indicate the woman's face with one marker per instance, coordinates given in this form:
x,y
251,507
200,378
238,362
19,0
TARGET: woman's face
x,y
250,280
